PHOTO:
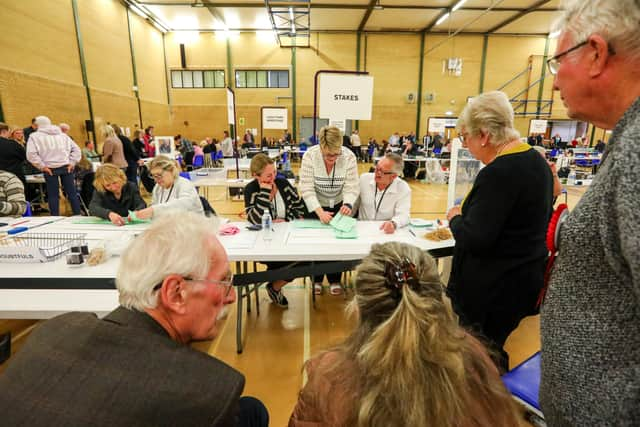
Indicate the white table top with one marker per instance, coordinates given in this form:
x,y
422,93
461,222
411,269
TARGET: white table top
x,y
288,243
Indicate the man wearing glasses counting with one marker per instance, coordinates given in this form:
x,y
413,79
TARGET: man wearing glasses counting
x,y
590,318
384,196
135,366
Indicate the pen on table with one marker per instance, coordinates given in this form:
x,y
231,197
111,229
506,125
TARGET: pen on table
x,y
412,233
20,222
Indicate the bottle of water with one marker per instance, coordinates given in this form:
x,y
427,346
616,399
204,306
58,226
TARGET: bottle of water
x,y
571,179
267,226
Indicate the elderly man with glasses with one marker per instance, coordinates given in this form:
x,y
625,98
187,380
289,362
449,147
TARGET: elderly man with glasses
x,y
384,196
590,322
135,366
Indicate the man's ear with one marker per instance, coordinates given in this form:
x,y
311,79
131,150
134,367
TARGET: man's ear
x,y
173,294
599,54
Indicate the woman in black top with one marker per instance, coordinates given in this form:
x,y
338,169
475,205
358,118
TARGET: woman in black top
x,y
500,227
115,196
280,198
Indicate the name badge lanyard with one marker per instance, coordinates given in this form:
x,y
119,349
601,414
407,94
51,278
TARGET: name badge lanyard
x,y
375,195
169,195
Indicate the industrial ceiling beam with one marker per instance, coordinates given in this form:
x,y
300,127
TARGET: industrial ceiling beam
x,y
533,8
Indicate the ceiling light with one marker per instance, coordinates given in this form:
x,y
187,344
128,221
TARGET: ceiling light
x,y
458,5
378,6
197,4
442,18
138,11
554,35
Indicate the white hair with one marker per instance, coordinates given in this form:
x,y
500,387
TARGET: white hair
x,y
396,160
492,113
43,121
64,126
617,21
175,243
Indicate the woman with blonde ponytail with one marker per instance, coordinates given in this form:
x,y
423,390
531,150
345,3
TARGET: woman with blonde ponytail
x,y
408,362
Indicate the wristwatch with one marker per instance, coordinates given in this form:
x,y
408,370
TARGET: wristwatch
x,y
395,226
348,205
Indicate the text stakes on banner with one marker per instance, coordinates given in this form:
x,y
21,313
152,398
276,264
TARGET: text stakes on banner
x,y
346,96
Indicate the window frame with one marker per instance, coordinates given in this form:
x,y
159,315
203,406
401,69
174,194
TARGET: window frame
x,y
273,78
217,76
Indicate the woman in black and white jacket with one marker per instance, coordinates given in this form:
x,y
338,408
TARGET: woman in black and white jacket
x,y
280,198
329,183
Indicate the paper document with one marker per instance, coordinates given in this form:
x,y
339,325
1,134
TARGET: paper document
x,y
343,223
308,223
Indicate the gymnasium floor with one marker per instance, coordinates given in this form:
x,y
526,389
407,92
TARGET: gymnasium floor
x,y
278,341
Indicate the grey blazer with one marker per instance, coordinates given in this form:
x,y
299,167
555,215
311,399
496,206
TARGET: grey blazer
x,y
123,370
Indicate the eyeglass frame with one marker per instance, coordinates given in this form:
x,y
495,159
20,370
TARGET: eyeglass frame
x,y
227,284
159,176
554,59
378,170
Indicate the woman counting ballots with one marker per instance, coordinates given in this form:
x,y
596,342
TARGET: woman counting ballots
x,y
500,227
115,196
267,193
329,184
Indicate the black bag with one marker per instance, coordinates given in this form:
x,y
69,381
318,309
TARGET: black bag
x,y
563,172
147,179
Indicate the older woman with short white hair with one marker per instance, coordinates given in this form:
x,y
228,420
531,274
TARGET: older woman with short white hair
x,y
171,192
500,227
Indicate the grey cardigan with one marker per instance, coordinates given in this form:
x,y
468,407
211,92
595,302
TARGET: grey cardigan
x,y
590,321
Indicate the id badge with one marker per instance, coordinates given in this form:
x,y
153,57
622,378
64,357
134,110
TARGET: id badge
x,y
332,202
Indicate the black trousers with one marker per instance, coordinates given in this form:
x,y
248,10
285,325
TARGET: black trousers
x,y
252,413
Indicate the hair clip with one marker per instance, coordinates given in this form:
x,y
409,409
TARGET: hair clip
x,y
399,274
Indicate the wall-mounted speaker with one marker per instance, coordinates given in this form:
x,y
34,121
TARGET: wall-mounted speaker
x,y
88,125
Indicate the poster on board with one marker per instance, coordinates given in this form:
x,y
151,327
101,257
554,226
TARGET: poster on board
x,y
439,124
346,96
231,107
274,118
537,126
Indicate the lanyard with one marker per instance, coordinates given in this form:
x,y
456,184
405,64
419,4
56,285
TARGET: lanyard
x,y
168,196
334,175
375,195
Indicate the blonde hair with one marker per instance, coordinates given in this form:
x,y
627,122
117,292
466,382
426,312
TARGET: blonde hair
x,y
12,132
165,163
491,113
414,365
331,139
107,174
107,131
259,162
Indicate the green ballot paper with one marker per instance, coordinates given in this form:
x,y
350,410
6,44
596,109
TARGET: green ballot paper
x,y
343,223
309,223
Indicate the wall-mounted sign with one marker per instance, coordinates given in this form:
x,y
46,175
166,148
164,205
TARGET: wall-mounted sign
x,y
537,126
274,118
439,124
346,96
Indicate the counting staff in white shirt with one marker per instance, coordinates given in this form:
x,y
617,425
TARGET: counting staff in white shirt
x,y
384,196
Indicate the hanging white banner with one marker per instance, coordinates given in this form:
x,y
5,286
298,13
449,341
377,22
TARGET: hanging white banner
x,y
537,126
349,96
230,107
339,123
275,118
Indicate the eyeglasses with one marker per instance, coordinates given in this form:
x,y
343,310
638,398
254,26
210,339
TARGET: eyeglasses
x,y
158,176
381,172
554,64
226,284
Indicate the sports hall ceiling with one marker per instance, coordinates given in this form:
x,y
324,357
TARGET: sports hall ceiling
x,y
525,17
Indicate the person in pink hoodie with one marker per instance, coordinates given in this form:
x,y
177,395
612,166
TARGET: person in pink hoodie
x,y
55,154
